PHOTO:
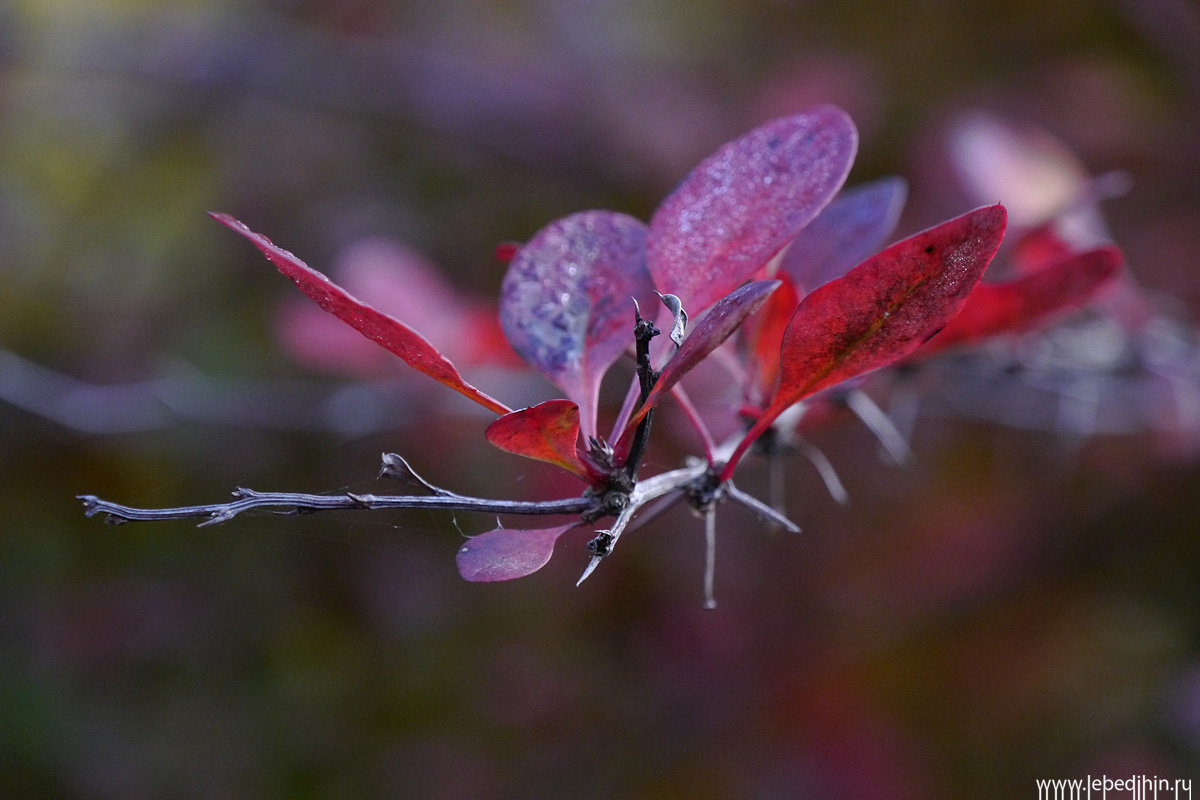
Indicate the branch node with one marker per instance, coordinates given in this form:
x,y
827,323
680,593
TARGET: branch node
x,y
602,544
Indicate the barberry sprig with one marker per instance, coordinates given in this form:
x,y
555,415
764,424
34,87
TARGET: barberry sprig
x,y
755,244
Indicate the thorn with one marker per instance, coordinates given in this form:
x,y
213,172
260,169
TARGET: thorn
x,y
833,484
710,557
589,569
759,507
881,425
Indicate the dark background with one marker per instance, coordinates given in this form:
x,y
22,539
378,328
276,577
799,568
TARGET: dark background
x,y
1013,605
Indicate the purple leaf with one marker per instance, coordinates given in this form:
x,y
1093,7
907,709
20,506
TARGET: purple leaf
x,y
508,553
717,325
742,204
566,300
387,331
880,311
851,228
546,432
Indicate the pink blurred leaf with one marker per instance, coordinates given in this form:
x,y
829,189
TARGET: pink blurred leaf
x,y
546,432
717,325
742,204
1027,301
881,310
852,227
505,554
384,274
1036,175
566,302
392,334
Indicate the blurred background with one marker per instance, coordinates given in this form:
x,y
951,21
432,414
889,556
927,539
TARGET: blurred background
x,y
1019,602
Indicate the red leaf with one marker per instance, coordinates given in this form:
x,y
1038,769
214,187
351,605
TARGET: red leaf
x,y
716,326
386,274
566,302
742,204
547,432
506,251
1020,304
392,334
1039,248
763,336
881,310
505,554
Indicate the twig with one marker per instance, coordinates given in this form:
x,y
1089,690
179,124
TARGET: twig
x,y
697,481
300,503
643,332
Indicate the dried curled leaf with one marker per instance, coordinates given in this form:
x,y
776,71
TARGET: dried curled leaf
x,y
679,318
717,325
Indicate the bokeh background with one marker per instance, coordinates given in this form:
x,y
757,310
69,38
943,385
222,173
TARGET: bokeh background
x,y
1015,604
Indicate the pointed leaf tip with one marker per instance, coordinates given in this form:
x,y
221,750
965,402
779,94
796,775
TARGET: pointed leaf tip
x,y
1030,300
887,306
880,311
390,333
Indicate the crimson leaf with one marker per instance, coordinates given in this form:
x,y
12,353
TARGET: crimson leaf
x,y
742,204
880,311
508,553
547,432
565,301
387,331
1019,304
762,337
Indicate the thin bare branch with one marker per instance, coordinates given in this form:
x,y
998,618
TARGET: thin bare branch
x,y
300,503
